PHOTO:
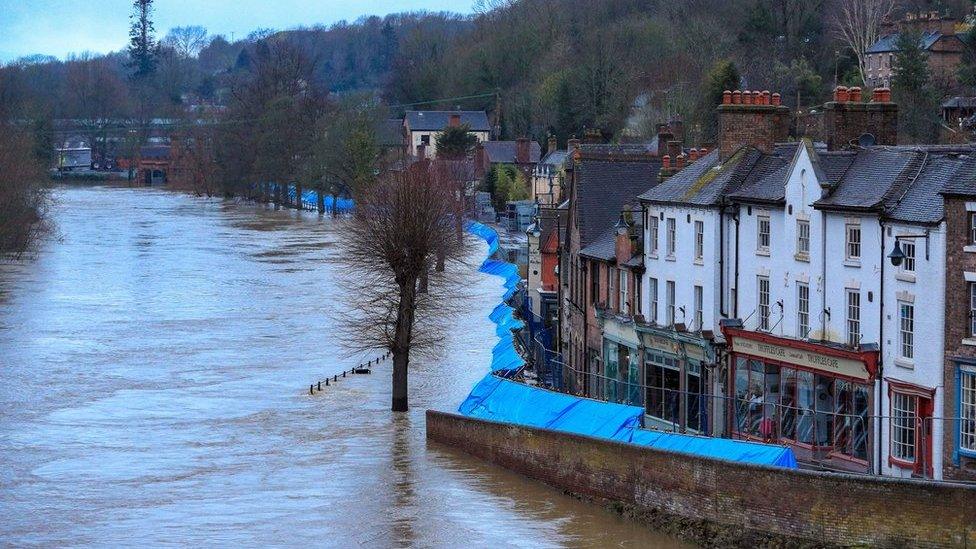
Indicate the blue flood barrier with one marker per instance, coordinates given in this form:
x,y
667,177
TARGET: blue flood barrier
x,y
497,399
507,401
504,357
310,200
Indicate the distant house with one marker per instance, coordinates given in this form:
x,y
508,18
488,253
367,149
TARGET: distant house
x,y
74,156
154,163
957,111
548,175
522,153
422,128
938,39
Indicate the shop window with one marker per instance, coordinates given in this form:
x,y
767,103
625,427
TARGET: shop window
x,y
967,410
762,236
802,310
663,385
904,414
697,412
611,365
850,419
906,330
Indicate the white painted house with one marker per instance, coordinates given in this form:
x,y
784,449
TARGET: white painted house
x,y
423,127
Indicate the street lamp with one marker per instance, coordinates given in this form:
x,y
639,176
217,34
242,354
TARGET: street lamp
x,y
621,226
897,256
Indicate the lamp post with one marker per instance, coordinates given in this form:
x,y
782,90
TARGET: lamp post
x,y
897,256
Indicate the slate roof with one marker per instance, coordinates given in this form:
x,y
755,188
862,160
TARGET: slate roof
x,y
154,151
889,42
604,187
504,152
551,219
603,247
390,133
766,180
438,120
555,158
874,177
959,102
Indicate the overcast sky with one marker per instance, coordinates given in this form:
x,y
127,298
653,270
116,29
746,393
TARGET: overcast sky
x,y
61,27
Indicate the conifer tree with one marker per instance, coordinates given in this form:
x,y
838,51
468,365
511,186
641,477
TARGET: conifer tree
x,y
917,101
143,46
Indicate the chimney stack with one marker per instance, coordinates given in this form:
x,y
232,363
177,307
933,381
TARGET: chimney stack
x,y
455,120
847,118
522,150
552,144
756,118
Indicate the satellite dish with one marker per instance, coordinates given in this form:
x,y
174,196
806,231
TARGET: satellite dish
x,y
866,140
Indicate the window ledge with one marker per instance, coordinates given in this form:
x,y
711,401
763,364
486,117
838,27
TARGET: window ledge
x,y
670,258
764,253
900,463
802,257
905,277
970,341
699,261
970,249
906,363
652,255
852,263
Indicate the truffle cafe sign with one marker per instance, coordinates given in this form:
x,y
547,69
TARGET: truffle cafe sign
x,y
800,357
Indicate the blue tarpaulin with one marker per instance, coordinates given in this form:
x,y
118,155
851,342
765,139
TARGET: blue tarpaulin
x,y
503,400
507,401
504,357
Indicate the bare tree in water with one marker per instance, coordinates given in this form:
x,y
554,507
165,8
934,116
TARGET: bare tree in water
x,y
23,196
403,223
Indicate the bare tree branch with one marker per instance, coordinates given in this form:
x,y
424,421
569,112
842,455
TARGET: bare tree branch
x,y
857,23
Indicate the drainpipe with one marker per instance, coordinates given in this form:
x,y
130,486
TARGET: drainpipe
x,y
735,306
721,261
878,381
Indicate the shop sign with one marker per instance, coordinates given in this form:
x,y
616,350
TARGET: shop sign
x,y
801,357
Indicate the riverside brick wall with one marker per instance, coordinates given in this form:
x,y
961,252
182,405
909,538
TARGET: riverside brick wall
x,y
734,503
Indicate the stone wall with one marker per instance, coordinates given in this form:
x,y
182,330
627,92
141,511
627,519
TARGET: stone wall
x,y
845,122
760,126
723,503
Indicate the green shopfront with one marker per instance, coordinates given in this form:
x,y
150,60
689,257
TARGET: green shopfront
x,y
669,373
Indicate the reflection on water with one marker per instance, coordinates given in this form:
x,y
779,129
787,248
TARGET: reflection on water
x,y
153,375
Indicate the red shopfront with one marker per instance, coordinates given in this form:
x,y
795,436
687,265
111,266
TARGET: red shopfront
x,y
816,398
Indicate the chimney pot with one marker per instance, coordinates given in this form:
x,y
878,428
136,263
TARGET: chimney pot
x,y
775,99
746,97
702,152
840,94
887,95
666,162
455,120
736,97
727,97
693,155
854,94
765,97
681,161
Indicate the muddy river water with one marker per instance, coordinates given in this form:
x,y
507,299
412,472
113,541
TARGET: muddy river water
x,y
154,368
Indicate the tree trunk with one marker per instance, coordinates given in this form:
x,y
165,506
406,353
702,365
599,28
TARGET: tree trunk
x,y
401,343
335,205
298,197
321,201
440,261
277,199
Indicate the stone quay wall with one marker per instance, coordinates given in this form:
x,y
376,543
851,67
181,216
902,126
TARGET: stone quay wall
x,y
724,503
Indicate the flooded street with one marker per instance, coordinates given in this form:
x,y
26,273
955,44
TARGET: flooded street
x,y
154,372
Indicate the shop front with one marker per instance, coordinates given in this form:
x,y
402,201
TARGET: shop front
x,y
678,380
816,398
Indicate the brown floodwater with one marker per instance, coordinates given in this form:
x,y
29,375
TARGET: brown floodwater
x,y
154,370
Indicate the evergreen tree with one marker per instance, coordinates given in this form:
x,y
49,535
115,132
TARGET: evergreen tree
x,y
456,141
918,102
723,76
143,47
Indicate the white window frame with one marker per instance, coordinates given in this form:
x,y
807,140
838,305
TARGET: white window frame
x,y
624,287
653,290
967,411
762,307
972,228
904,427
853,318
852,241
908,265
699,241
672,237
763,226
972,309
803,237
669,292
652,234
699,305
802,310
906,330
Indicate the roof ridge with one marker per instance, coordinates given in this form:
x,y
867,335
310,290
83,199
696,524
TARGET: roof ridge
x,y
902,187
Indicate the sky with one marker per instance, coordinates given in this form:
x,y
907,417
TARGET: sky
x,y
62,27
